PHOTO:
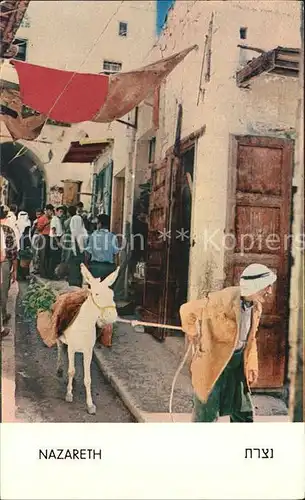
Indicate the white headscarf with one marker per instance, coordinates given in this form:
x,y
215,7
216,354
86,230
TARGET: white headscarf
x,y
255,278
78,233
23,221
11,221
11,217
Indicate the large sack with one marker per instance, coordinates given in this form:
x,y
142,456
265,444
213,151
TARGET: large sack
x,y
52,324
66,308
44,327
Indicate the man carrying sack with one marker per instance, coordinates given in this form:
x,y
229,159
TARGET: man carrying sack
x,y
222,327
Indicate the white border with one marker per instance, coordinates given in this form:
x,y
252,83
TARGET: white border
x,y
154,461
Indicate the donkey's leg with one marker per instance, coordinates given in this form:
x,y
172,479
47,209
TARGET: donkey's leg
x,y
87,357
59,358
71,373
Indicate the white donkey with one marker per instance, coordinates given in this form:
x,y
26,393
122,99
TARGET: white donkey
x,y
80,336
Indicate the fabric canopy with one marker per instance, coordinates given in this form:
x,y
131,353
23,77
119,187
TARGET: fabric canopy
x,y
62,95
19,127
75,97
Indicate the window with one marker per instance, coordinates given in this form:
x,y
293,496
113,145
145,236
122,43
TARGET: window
x,y
122,29
243,33
111,67
152,150
22,48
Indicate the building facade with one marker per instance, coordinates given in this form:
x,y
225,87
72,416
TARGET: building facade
x,y
93,37
225,199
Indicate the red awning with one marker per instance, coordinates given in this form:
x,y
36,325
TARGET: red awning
x,y
84,153
75,97
64,96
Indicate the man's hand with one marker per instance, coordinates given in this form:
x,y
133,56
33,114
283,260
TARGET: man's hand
x,y
192,339
193,335
252,376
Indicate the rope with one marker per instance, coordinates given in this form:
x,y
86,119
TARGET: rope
x,y
194,348
18,154
190,348
134,323
186,355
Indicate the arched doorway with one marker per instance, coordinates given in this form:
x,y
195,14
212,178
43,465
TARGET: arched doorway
x,y
25,175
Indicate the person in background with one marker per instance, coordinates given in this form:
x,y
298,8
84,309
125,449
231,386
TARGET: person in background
x,y
79,238
34,268
23,222
8,265
3,330
84,215
38,213
65,215
86,219
10,220
56,232
80,208
66,251
102,249
43,228
103,252
25,254
12,213
71,211
93,222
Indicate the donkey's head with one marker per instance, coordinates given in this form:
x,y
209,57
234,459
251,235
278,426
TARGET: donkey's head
x,y
102,296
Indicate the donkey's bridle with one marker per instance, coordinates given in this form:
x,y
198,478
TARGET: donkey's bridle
x,y
99,307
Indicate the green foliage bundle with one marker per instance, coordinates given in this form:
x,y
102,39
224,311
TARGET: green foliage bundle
x,y
38,298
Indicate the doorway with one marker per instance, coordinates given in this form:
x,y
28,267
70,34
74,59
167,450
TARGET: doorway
x,y
183,234
259,217
103,189
168,253
25,175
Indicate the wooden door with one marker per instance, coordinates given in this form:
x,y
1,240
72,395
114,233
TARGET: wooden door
x,y
154,304
259,213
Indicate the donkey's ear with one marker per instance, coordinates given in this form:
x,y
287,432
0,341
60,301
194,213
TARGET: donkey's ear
x,y
88,278
111,278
